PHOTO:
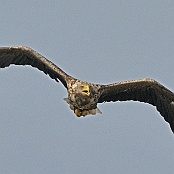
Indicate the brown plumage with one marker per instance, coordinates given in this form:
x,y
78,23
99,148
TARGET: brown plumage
x,y
83,96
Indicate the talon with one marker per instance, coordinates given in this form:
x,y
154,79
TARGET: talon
x,y
77,112
84,113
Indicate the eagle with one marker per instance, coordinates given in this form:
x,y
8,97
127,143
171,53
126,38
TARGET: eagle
x,y
83,97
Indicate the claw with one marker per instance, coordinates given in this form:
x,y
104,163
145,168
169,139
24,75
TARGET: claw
x,y
84,113
77,112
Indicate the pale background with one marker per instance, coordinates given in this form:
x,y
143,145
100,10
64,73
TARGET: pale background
x,y
97,41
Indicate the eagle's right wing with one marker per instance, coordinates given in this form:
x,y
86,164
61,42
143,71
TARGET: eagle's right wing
x,y
22,55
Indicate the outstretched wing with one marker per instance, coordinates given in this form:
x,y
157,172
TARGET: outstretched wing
x,y
22,55
146,90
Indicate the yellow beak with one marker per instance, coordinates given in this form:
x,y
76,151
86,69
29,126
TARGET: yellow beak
x,y
86,90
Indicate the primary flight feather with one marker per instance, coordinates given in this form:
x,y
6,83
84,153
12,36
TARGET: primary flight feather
x,y
83,96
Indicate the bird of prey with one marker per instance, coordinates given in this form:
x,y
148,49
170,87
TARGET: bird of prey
x,y
83,97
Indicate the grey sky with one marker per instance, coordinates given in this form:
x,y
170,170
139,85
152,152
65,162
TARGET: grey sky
x,y
97,41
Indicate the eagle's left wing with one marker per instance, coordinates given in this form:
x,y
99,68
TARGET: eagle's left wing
x,y
146,90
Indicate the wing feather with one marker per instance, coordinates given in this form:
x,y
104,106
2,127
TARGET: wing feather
x,y
22,55
145,90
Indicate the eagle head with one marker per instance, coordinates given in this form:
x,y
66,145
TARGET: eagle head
x,y
81,99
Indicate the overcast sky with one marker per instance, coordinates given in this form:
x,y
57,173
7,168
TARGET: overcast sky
x,y
97,41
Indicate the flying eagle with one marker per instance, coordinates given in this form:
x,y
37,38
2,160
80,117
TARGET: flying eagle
x,y
83,96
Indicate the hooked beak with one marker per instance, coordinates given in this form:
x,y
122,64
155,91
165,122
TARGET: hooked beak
x,y
86,90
